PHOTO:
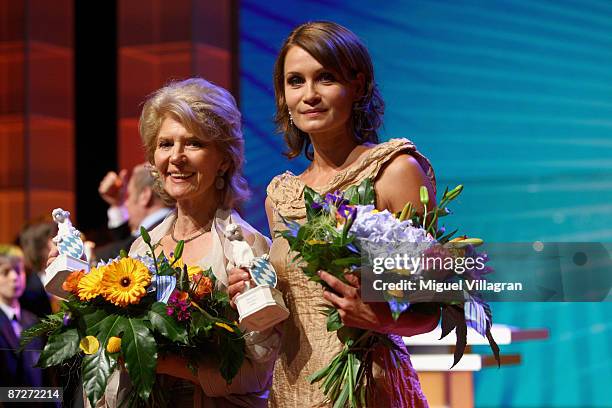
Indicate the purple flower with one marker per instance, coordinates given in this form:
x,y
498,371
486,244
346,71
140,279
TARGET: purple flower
x,y
67,318
396,307
347,211
336,199
179,302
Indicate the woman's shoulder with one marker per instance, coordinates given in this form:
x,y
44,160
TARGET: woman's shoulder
x,y
285,187
399,157
139,247
391,146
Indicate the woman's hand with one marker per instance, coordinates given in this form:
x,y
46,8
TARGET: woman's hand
x,y
354,312
238,277
53,253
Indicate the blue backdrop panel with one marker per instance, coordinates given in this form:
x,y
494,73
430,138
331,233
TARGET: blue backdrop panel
x,y
512,99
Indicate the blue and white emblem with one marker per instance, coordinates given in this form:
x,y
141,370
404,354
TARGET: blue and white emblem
x,y
262,271
71,245
68,238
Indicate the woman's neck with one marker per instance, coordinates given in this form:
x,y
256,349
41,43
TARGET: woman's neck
x,y
332,151
192,215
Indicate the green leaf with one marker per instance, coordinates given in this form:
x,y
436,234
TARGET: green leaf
x,y
461,333
352,195
166,325
45,326
366,192
96,369
178,250
93,321
344,394
145,235
200,327
111,326
311,196
232,356
353,260
445,238
333,320
353,367
60,346
140,351
449,318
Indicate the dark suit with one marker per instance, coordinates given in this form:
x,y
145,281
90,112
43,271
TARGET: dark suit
x,y
122,239
34,298
17,369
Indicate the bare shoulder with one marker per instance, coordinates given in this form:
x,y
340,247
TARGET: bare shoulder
x,y
399,182
400,170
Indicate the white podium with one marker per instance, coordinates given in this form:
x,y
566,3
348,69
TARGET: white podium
x,y
432,359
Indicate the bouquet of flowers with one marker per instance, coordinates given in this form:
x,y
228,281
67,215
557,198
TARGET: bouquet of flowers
x,y
129,309
343,229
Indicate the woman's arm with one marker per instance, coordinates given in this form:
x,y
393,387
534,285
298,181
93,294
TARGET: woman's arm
x,y
354,312
398,183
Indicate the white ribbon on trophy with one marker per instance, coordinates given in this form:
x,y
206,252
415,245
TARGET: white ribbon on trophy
x,y
71,249
260,307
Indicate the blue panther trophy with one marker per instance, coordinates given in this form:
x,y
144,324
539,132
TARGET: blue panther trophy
x,y
71,250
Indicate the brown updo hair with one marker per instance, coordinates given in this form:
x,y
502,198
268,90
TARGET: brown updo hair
x,y
340,50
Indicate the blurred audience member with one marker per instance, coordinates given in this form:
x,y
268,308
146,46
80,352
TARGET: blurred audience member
x,y
16,368
35,241
133,204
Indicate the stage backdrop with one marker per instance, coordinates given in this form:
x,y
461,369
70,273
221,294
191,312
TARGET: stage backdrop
x,y
512,99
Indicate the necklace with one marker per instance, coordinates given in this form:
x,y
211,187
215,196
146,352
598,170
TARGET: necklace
x,y
198,234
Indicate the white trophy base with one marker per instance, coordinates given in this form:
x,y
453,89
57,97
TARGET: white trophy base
x,y
261,308
58,271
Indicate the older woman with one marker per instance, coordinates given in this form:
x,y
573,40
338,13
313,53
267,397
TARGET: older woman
x,y
328,106
191,131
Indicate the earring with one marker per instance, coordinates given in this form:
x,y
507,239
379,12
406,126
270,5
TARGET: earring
x,y
219,181
290,118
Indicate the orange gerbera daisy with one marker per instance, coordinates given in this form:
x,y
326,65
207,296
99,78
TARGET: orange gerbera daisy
x,y
89,285
72,281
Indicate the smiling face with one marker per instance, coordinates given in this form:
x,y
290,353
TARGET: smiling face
x,y
318,101
187,165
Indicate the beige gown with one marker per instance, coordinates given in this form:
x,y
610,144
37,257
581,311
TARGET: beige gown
x,y
307,346
250,387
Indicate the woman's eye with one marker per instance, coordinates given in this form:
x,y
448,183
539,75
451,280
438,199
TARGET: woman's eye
x,y
163,143
195,143
327,77
294,81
